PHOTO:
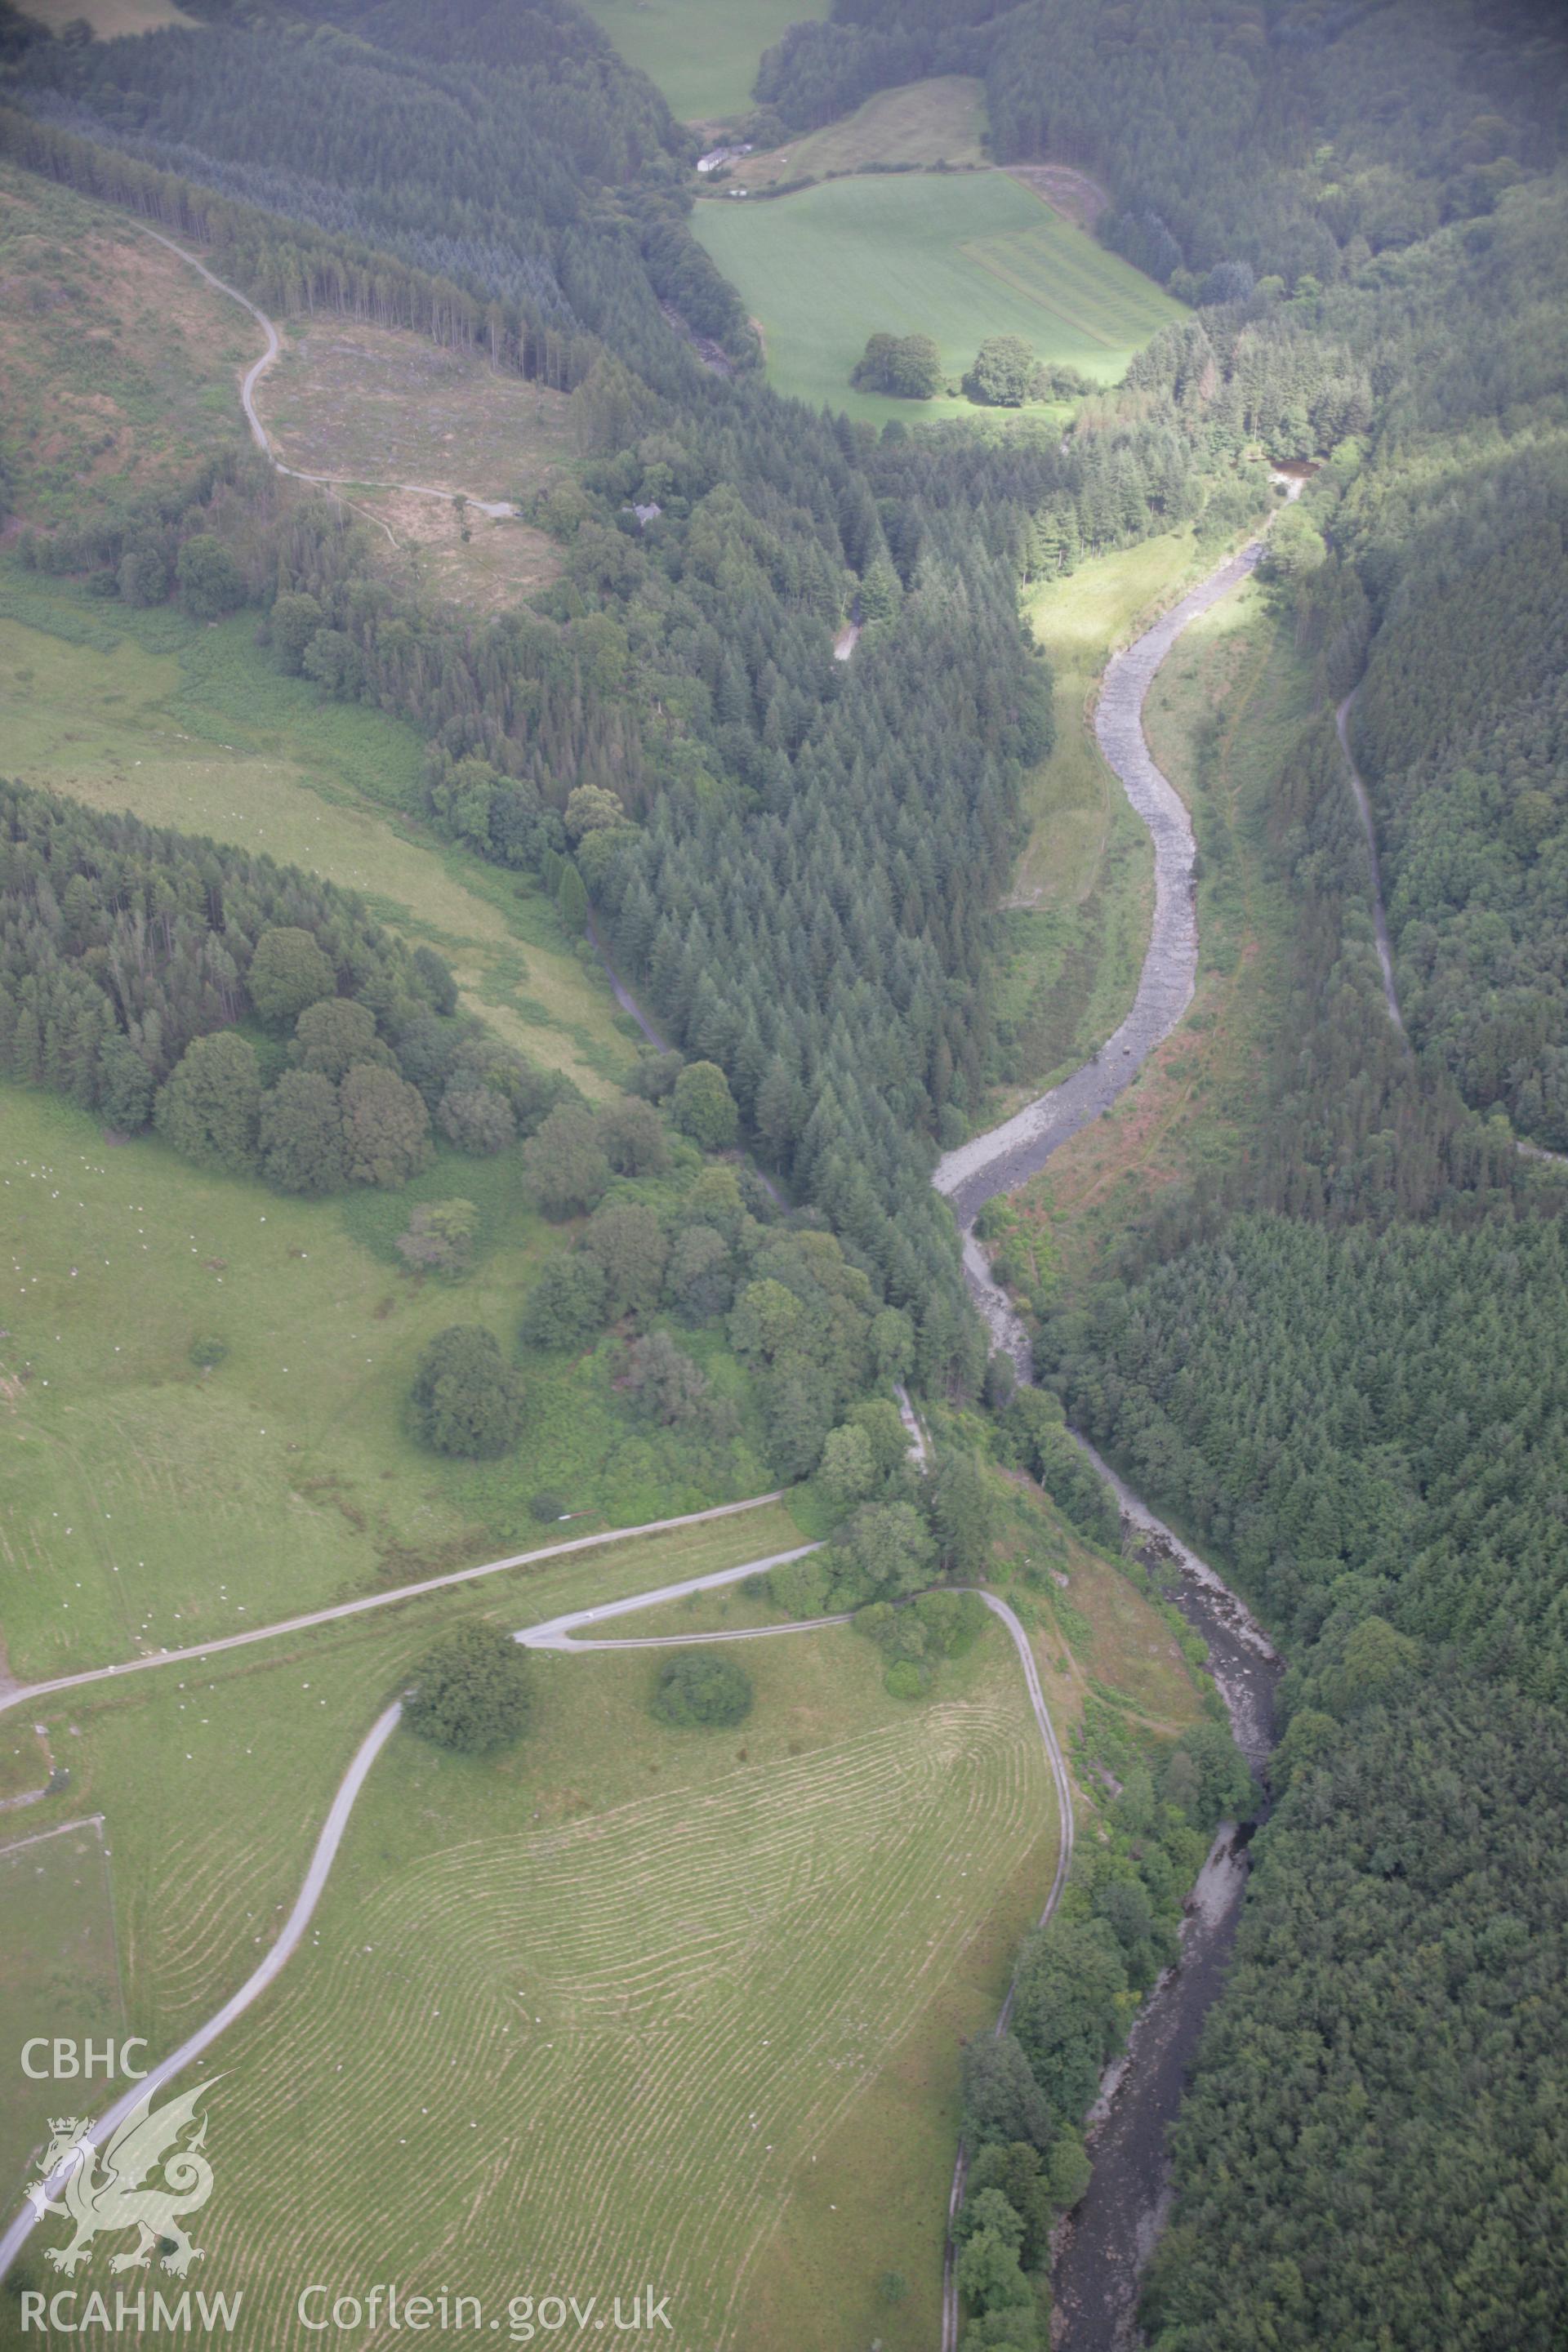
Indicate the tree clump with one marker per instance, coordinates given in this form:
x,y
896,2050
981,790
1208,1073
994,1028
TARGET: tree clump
x,y
704,1108
288,971
210,1108
564,1169
468,1399
904,367
471,1692
1002,374
700,1688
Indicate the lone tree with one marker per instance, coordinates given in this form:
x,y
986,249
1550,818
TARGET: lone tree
x,y
300,1134
333,1033
210,1108
386,1127
471,1692
468,1399
211,582
703,1107
563,1167
702,1688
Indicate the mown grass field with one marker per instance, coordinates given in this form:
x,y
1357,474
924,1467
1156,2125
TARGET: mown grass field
x,y
623,2003
119,364
194,727
702,53
957,256
143,1505
941,120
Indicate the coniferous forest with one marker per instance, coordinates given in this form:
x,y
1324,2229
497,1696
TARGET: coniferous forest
x,y
1343,1367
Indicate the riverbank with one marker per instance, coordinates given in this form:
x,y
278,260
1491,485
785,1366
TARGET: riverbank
x,y
1103,2245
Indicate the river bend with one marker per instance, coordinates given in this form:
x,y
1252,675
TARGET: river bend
x,y
1102,2247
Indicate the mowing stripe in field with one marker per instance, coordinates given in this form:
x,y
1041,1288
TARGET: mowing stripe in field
x,y
1057,263
984,258
720,1971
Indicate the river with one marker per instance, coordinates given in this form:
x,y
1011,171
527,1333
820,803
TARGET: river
x,y
1102,2246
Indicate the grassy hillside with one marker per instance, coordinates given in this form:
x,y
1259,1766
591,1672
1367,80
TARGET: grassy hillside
x,y
937,121
119,364
60,1972
703,54
109,18
144,1503
192,725
958,257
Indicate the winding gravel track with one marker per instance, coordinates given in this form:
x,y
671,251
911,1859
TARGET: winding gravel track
x,y
557,1635
494,507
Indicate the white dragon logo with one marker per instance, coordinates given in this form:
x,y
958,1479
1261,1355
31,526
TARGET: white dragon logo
x,y
102,2191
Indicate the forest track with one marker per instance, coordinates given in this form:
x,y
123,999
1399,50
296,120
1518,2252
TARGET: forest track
x,y
623,994
1379,918
497,508
1526,1150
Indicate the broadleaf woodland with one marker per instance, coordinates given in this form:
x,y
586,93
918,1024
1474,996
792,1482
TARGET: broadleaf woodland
x,y
1345,1367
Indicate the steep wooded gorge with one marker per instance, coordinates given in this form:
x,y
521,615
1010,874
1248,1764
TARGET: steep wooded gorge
x,y
1343,1366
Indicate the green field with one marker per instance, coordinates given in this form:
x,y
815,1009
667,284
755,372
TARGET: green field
x,y
958,256
192,725
703,54
143,1505
547,1996
646,1943
59,1975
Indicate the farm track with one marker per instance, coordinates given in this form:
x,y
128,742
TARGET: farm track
x,y
988,1165
561,1634
18,1693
